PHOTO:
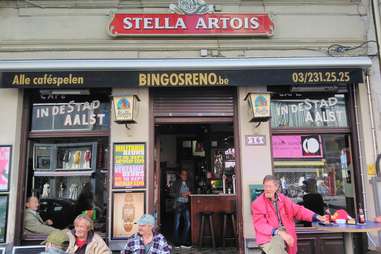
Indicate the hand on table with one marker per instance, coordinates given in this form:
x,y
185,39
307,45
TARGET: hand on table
x,y
323,219
287,238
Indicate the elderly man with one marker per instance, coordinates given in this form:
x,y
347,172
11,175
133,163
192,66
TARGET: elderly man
x,y
56,243
83,240
273,219
146,240
33,222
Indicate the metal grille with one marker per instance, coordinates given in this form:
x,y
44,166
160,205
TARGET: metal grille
x,y
193,102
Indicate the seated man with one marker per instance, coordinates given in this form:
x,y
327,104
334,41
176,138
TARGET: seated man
x,y
33,222
56,243
146,240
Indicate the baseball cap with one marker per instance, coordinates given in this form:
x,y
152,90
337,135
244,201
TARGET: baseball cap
x,y
146,219
58,238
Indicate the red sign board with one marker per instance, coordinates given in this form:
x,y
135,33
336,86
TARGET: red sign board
x,y
216,24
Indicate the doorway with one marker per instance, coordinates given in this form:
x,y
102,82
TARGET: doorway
x,y
207,152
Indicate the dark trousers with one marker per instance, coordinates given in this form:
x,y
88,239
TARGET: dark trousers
x,y
182,210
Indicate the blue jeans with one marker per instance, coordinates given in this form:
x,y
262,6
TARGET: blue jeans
x,y
182,210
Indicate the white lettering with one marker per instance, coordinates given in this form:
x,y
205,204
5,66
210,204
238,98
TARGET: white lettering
x,y
180,24
213,23
323,104
68,121
77,120
332,101
308,104
254,23
201,24
294,108
127,24
318,117
55,110
95,104
309,117
84,120
148,23
100,118
236,23
86,106
331,116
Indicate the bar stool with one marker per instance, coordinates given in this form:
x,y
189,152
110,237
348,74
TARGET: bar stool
x,y
227,216
209,217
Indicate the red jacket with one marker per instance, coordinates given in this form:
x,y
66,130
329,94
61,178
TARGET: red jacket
x,y
265,219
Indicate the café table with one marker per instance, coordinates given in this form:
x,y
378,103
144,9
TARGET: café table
x,y
348,231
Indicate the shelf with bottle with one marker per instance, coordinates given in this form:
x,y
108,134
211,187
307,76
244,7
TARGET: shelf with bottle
x,y
62,187
64,173
65,157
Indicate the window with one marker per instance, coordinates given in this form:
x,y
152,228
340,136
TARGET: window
x,y
309,112
307,160
68,172
330,168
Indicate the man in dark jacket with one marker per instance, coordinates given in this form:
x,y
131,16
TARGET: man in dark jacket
x,y
182,188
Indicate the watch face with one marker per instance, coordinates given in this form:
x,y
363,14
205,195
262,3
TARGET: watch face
x,y
311,146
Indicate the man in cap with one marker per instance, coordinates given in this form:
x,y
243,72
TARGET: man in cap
x,y
146,240
56,243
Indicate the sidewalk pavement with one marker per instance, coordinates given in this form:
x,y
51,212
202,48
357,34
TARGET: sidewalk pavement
x,y
206,251
202,251
219,251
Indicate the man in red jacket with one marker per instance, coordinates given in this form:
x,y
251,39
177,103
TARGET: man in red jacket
x,y
273,219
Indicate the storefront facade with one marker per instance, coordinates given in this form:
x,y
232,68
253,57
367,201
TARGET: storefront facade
x,y
60,97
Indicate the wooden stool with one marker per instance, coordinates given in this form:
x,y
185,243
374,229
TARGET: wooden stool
x,y
209,217
228,215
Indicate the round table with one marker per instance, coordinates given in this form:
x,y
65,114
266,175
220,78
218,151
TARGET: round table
x,y
348,230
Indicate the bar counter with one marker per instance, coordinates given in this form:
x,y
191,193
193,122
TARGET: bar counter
x,y
217,203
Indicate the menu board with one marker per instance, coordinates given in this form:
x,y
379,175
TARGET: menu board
x,y
129,165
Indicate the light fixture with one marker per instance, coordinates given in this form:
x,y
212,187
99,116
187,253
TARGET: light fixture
x,y
65,92
125,108
259,106
311,88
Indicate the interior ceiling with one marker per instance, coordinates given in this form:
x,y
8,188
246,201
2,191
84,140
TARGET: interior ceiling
x,y
195,129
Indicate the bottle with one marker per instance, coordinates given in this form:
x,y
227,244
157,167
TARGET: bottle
x,y
361,215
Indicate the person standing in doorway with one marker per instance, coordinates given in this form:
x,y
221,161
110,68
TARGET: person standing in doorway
x,y
182,188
